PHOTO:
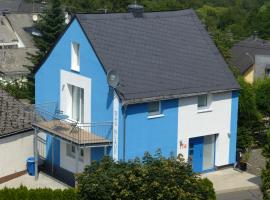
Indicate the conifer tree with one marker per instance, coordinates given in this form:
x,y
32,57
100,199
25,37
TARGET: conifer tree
x,y
50,25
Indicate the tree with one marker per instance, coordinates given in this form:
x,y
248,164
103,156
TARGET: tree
x,y
50,25
153,178
265,173
249,118
262,89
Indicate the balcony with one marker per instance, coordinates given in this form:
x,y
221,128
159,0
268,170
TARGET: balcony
x,y
49,119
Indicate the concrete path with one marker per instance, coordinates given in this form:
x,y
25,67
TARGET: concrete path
x,y
230,180
44,181
241,195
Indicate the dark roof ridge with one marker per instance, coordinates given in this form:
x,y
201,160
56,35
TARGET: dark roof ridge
x,y
123,15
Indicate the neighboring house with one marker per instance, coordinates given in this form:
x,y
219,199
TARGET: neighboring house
x,y
16,33
21,6
16,137
252,57
176,93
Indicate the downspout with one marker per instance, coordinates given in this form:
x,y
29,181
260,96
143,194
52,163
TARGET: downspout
x,y
124,132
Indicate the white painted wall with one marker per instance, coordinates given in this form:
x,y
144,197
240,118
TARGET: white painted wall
x,y
215,120
69,163
14,151
65,96
115,126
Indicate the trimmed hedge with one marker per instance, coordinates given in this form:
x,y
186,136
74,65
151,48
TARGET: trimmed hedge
x,y
23,193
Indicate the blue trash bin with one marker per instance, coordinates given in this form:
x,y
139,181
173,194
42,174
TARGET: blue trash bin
x,y
31,166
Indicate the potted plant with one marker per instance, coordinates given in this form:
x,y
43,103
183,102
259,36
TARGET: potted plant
x,y
244,160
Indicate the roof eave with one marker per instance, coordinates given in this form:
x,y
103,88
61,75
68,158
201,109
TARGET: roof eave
x,y
168,97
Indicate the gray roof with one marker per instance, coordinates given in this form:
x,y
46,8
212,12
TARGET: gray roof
x,y
160,55
6,33
22,24
14,116
243,53
21,6
12,61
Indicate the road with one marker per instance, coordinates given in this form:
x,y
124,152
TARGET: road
x,y
254,194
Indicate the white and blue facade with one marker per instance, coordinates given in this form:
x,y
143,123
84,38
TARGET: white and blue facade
x,y
207,135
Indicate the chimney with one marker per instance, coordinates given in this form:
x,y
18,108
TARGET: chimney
x,y
136,9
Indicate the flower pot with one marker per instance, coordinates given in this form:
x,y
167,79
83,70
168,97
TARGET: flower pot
x,y
243,166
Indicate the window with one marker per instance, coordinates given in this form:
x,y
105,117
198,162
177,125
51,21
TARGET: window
x,y
71,151
267,71
202,101
77,102
75,57
154,108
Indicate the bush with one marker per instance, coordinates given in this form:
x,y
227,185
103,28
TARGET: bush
x,y
265,174
262,89
23,193
249,118
152,178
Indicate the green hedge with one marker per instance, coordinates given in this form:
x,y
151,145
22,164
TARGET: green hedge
x,y
153,178
23,193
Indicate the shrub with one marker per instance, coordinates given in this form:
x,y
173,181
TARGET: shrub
x,y
249,118
265,174
151,178
23,193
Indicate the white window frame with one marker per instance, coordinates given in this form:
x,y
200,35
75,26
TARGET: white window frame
x,y
156,114
207,107
207,99
81,103
70,78
75,56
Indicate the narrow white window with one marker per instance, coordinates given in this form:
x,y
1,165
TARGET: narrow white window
x,y
202,101
77,103
154,108
75,56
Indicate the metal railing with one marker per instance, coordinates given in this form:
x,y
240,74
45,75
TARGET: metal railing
x,y
51,120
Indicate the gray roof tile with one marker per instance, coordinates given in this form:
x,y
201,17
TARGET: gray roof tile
x,y
13,116
240,58
162,54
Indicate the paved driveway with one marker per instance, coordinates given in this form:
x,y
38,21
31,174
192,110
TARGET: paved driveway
x,y
44,181
241,195
231,184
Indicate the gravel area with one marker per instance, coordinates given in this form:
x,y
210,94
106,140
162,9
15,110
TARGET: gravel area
x,y
256,162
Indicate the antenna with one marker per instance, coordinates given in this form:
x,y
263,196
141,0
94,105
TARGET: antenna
x,y
113,78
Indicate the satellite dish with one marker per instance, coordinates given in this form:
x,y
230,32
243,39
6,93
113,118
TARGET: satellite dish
x,y
113,78
35,18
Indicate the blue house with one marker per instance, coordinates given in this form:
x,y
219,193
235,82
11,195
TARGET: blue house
x,y
175,92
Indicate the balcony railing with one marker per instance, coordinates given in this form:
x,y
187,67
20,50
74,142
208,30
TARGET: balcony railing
x,y
48,118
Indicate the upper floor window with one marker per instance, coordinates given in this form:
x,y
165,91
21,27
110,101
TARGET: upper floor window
x,y
203,101
154,108
77,103
75,56
267,71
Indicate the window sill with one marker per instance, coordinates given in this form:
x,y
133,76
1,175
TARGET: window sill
x,y
75,69
204,110
155,116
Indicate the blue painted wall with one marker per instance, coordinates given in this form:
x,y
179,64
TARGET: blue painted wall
x,y
48,76
97,153
143,134
233,135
